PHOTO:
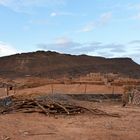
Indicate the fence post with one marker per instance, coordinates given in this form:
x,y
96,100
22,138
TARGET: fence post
x,y
85,88
7,90
113,89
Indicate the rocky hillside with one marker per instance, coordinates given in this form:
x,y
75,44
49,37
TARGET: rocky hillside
x,y
53,65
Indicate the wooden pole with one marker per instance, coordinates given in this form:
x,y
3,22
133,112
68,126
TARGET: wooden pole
x,y
7,90
85,88
14,89
52,88
113,90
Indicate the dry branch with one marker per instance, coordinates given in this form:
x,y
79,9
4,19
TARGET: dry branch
x,y
48,107
41,107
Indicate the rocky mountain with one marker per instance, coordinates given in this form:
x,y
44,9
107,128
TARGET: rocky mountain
x,y
53,65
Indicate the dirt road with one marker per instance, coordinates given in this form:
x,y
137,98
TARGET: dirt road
x,y
83,127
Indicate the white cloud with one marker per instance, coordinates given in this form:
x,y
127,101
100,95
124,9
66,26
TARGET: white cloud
x,y
39,21
103,20
135,6
137,16
60,44
89,27
134,42
25,5
62,40
6,49
53,14
66,45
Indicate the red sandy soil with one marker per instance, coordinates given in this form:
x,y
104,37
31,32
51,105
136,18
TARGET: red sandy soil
x,y
82,127
67,89
74,88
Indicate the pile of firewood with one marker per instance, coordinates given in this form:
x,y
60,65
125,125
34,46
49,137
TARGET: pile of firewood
x,y
49,107
46,107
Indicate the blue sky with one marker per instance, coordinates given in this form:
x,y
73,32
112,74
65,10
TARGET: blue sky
x,y
109,28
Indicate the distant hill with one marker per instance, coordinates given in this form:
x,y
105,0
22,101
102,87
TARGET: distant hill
x,y
53,64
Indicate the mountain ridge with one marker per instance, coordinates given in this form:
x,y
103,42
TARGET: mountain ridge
x,y
54,64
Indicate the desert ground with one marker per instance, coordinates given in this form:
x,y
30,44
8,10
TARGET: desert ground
x,y
87,126
81,127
